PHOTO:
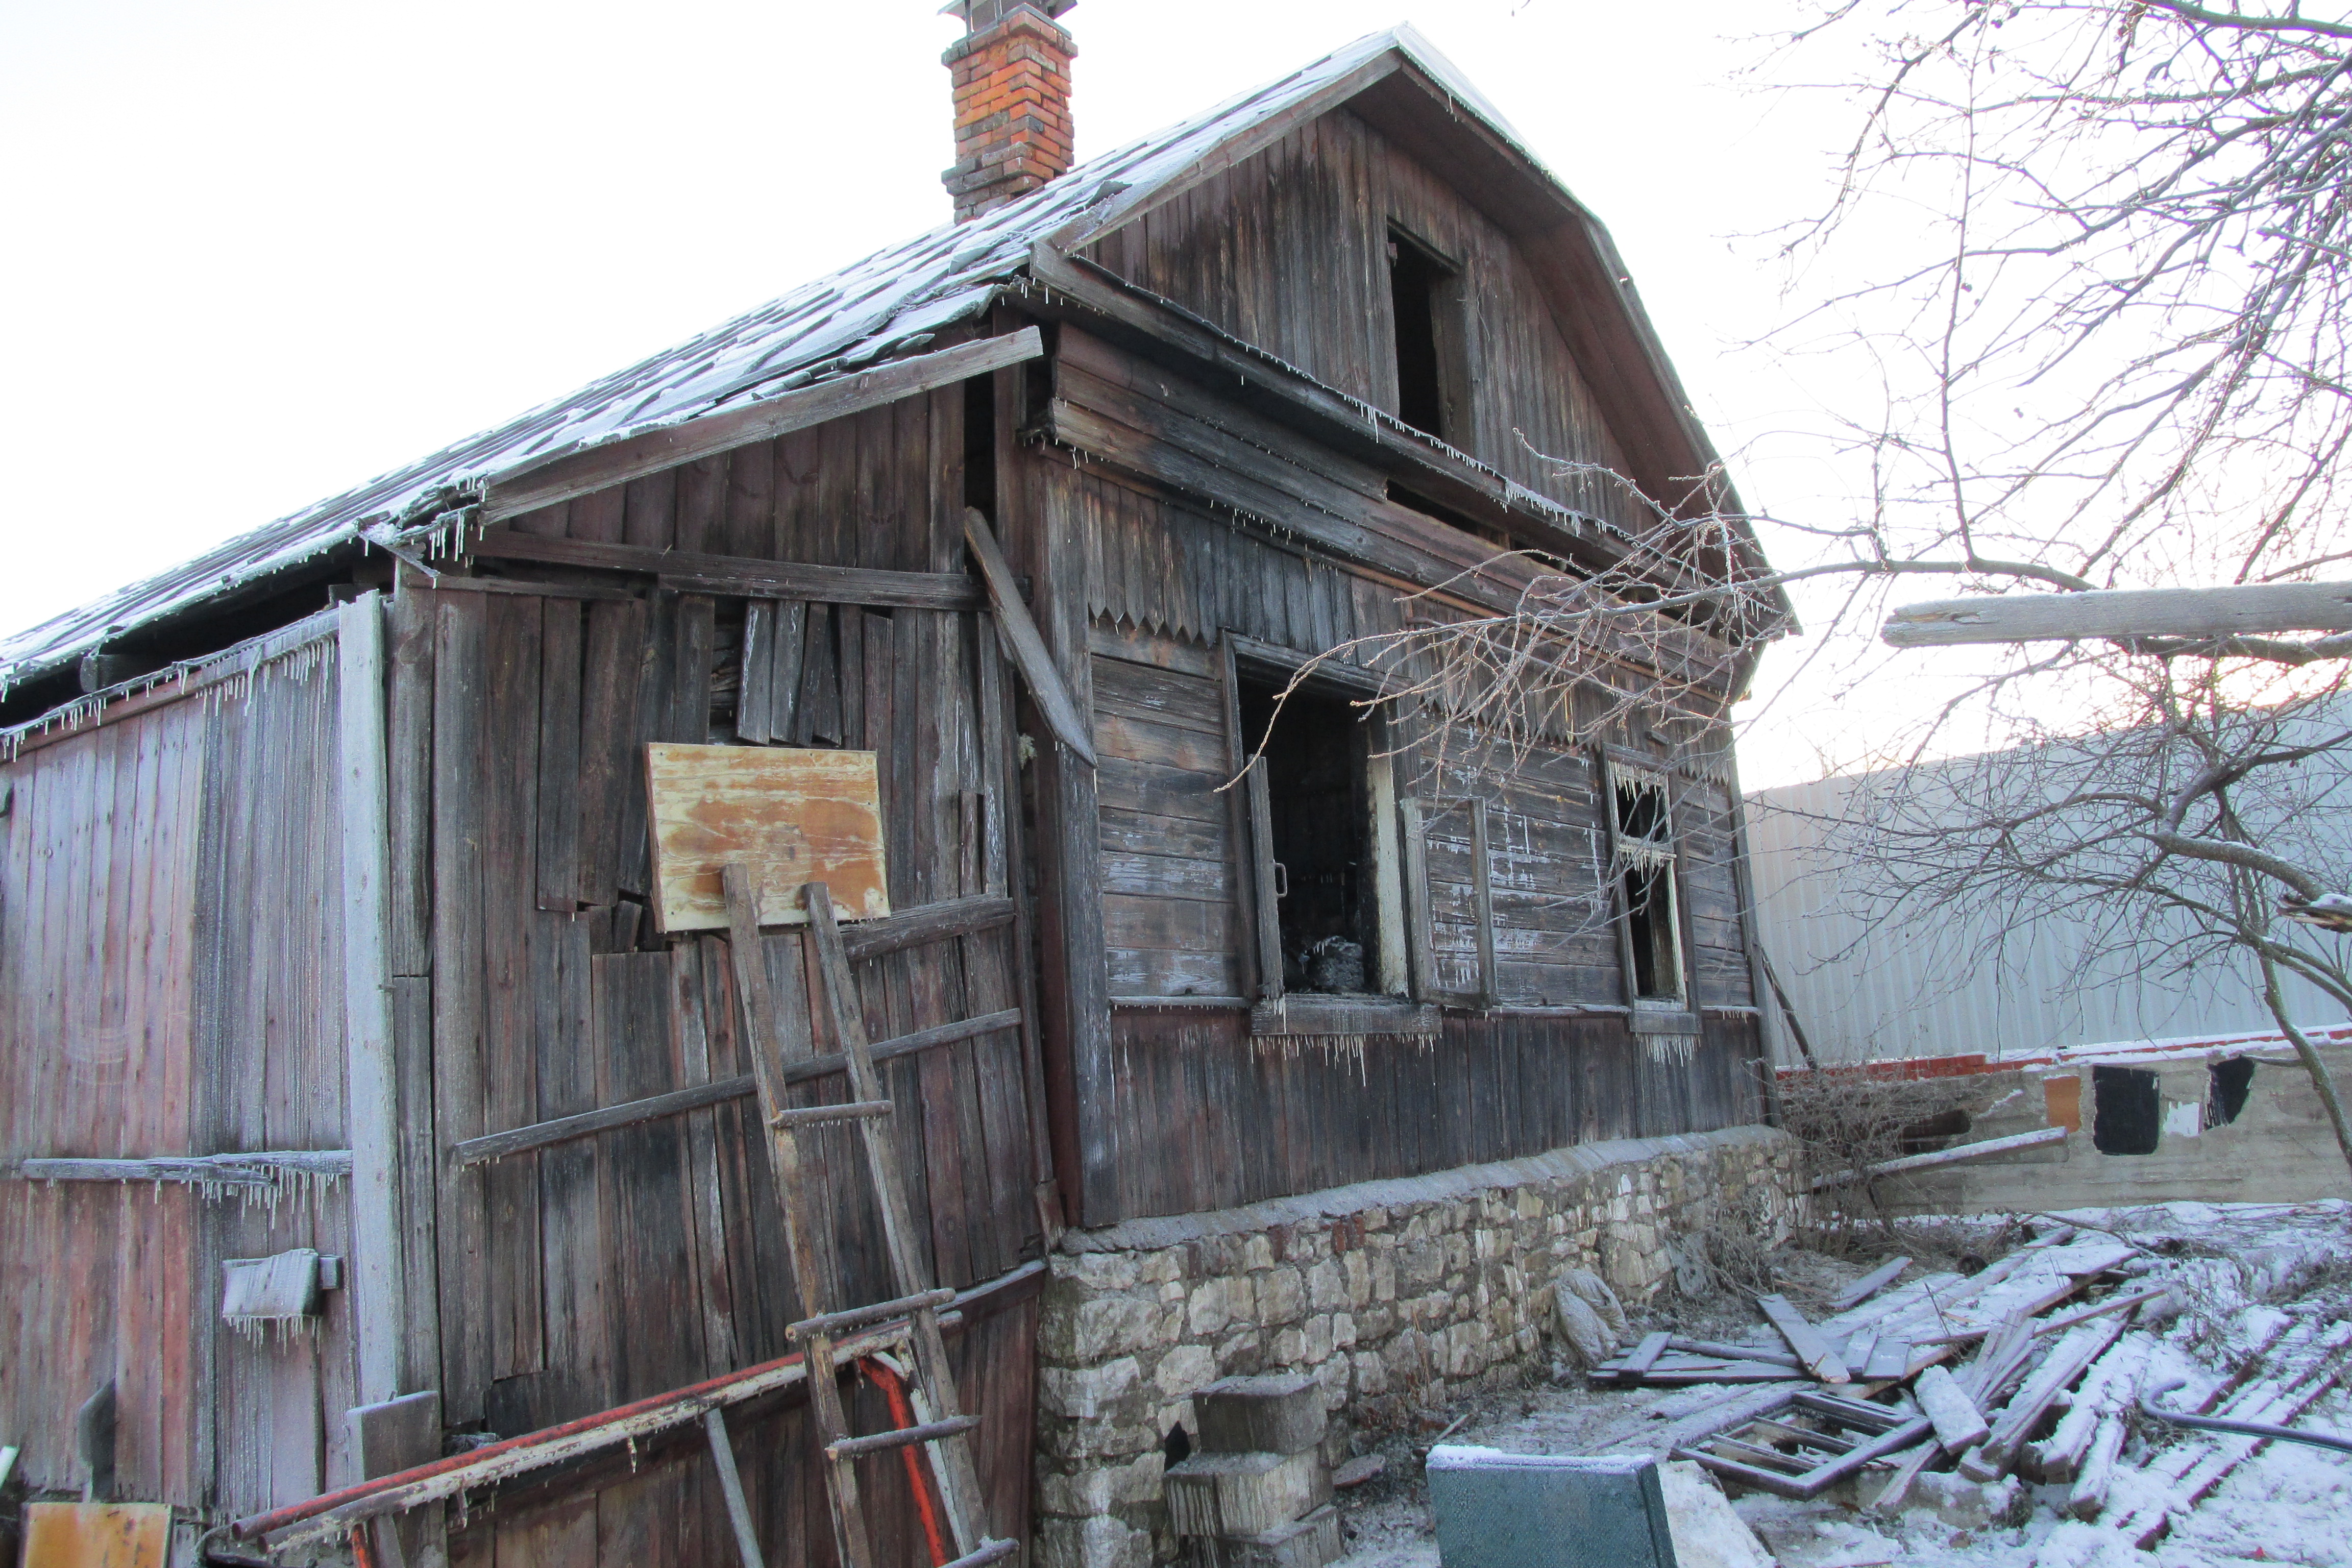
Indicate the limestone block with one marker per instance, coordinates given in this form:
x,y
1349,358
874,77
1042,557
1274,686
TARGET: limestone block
x,y
1211,1305
1257,1253
1118,1438
1100,1273
1420,1264
1317,1329
1086,1394
1098,1489
1281,1296
1375,1322
1343,1330
1457,1253
1384,1277
1162,1267
1357,1270
1287,1347
1095,1329
1371,1373
1326,1285
1185,1369
1246,1494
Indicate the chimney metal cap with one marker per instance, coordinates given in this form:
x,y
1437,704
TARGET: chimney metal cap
x,y
979,16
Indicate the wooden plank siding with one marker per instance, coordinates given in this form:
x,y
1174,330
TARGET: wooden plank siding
x,y
1289,250
1210,1117
170,983
640,1258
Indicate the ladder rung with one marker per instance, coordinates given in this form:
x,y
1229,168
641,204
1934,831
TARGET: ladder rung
x,y
826,1322
817,1115
990,1551
851,1447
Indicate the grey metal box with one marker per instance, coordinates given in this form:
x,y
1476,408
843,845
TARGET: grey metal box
x,y
1541,1510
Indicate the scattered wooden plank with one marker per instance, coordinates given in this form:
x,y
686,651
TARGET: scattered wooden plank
x,y
2253,610
1889,1360
1869,1285
1645,1355
1030,655
1811,1350
1966,1152
1737,1353
1958,1424
543,482
792,816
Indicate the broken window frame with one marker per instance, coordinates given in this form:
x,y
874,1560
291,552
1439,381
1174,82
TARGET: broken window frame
x,y
1445,299
1664,849
1400,972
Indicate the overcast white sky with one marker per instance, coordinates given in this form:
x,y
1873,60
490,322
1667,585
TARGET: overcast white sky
x,y
257,251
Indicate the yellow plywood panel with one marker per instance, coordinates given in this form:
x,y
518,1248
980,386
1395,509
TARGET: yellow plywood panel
x,y
97,1534
793,816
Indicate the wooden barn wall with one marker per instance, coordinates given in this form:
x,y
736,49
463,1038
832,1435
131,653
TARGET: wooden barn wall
x,y
170,983
664,1506
1289,250
582,1274
1161,580
1211,1118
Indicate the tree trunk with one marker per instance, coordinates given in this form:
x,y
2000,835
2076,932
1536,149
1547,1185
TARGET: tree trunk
x,y
2321,1079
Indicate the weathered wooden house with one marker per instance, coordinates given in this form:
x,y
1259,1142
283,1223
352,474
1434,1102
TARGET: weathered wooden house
x,y
325,905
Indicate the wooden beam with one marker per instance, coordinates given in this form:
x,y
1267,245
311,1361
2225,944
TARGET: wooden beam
x,y
2253,611
743,576
260,1170
1803,1339
1023,641
1482,891
928,923
379,1284
678,1102
2011,1144
550,479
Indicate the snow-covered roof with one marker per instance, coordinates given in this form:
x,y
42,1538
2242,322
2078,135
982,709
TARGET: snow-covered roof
x,y
892,303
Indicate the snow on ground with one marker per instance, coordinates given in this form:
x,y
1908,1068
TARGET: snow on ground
x,y
2244,1269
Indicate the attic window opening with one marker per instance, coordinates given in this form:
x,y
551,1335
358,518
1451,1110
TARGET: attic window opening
x,y
2229,1081
1432,371
2126,1111
1317,762
1643,849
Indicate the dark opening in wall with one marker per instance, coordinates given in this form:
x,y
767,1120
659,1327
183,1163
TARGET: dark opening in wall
x,y
1178,1445
2127,1112
1425,301
1318,789
1930,1133
2228,1083
1643,820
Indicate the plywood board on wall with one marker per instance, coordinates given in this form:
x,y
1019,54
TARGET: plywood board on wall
x,y
794,815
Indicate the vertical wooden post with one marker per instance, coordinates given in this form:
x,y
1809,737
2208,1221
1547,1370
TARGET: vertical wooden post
x,y
378,1283
1483,891
1419,938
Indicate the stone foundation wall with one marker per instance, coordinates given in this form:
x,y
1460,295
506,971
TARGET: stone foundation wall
x,y
1393,1294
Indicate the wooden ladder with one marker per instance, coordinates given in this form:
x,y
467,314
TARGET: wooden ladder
x,y
941,1427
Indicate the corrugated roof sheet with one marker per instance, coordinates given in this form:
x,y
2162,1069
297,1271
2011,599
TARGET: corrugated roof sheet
x,y
889,304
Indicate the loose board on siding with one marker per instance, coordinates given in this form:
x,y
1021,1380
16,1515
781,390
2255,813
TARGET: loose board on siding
x,y
795,816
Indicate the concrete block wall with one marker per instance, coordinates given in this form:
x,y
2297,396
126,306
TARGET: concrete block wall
x,y
1394,1295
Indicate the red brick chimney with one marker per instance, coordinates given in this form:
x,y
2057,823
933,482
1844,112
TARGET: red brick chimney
x,y
1011,101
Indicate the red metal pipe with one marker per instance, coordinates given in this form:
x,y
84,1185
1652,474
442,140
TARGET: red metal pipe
x,y
902,1413
261,1524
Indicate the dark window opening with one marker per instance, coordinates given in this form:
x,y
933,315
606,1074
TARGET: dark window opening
x,y
1645,842
2228,1084
2127,1112
1930,1133
1319,797
1424,298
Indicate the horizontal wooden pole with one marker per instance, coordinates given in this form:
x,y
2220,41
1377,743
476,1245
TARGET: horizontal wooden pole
x,y
925,923
258,1169
873,1312
905,1437
1966,1152
818,1115
548,480
676,1102
2253,611
745,575
450,583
